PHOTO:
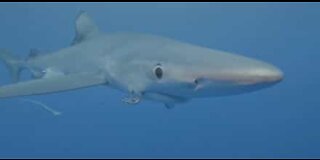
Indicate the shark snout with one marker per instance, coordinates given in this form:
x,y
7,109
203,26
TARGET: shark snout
x,y
265,74
259,75
238,80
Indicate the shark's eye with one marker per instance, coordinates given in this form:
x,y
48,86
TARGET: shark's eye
x,y
158,72
196,81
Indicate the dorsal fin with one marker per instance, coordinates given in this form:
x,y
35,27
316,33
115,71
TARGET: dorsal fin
x,y
85,28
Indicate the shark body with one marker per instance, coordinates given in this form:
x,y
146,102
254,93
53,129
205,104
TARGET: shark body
x,y
142,65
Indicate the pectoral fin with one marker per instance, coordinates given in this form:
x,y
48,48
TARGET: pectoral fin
x,y
52,84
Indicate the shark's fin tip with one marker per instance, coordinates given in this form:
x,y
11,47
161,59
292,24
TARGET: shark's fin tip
x,y
85,27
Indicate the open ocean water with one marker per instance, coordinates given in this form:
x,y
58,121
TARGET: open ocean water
x,y
278,122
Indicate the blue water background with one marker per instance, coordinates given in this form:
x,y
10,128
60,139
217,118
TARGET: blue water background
x,y
281,121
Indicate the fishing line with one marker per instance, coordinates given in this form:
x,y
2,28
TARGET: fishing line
x,y
42,105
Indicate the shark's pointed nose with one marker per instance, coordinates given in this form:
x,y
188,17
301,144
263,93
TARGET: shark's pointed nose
x,y
259,73
277,75
268,74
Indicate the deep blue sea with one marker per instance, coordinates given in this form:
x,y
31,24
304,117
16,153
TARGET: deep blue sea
x,y
278,122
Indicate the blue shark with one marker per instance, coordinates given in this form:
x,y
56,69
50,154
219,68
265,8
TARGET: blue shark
x,y
144,66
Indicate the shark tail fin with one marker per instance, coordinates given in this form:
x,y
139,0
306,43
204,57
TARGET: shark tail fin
x,y
13,63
